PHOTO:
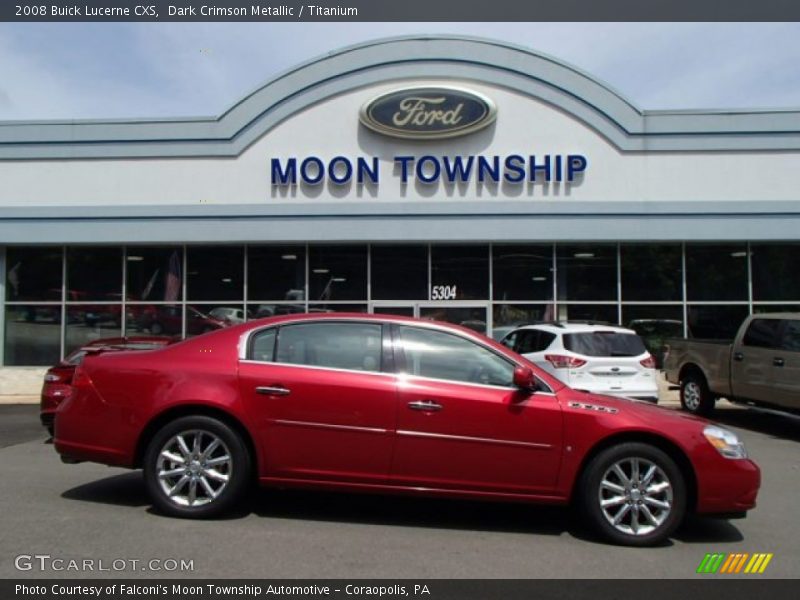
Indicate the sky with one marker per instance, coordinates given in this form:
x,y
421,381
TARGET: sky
x,y
142,70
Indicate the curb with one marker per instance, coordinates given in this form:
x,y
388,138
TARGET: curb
x,y
19,399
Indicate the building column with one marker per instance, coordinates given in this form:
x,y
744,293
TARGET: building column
x,y
2,304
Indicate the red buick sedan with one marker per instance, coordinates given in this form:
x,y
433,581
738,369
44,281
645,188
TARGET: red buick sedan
x,y
377,403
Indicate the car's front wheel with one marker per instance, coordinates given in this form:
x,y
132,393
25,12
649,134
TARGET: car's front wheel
x,y
196,467
633,494
696,398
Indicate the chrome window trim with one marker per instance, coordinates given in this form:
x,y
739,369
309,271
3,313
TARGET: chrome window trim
x,y
406,376
334,369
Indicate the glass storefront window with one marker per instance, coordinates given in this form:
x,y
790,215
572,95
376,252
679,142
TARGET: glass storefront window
x,y
331,307
33,274
715,322
595,313
459,273
587,272
153,319
337,280
337,273
716,272
215,273
268,309
775,271
202,318
471,317
651,272
655,325
154,273
87,323
507,317
774,308
522,272
94,273
399,272
33,335
276,273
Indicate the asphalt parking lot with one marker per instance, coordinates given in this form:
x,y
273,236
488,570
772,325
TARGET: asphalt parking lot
x,y
95,512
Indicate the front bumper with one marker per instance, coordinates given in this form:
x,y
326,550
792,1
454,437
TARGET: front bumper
x,y
732,487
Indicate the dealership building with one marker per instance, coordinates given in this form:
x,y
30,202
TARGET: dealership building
x,y
457,179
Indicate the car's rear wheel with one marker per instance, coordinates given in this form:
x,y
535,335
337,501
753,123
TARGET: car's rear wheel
x,y
633,494
196,467
696,398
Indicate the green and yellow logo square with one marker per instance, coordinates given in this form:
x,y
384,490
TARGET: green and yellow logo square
x,y
741,562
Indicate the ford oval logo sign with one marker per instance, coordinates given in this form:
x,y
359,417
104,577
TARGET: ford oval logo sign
x,y
428,112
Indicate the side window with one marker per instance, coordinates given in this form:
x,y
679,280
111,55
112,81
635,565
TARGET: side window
x,y
441,355
762,333
527,341
510,340
545,339
790,339
534,340
262,348
352,346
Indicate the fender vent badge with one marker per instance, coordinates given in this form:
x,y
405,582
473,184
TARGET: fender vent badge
x,y
594,407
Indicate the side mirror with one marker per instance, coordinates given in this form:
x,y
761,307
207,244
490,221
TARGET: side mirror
x,y
524,379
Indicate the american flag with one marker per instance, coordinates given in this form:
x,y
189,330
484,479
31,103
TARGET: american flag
x,y
172,287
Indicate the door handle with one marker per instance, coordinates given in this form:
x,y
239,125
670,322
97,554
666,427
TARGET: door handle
x,y
738,356
778,361
272,390
426,405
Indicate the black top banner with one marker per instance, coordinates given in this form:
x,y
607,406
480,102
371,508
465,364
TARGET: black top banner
x,y
398,10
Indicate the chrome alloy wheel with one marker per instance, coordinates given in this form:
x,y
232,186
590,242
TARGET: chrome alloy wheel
x,y
635,496
194,467
692,394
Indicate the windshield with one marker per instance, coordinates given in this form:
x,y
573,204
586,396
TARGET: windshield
x,y
604,343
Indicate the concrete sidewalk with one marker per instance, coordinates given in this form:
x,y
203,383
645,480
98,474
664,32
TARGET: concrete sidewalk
x,y
19,399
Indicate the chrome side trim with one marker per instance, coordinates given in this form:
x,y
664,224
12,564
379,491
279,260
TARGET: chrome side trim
x,y
464,438
330,426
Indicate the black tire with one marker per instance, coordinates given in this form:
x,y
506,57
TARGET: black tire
x,y
189,471
630,503
696,398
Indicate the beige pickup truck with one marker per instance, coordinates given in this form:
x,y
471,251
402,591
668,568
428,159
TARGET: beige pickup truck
x,y
760,367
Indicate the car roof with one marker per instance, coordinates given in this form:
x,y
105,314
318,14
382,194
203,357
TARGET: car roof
x,y
559,327
347,316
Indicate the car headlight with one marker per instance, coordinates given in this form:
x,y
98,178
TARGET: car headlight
x,y
726,442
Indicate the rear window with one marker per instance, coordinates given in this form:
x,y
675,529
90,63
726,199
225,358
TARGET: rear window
x,y
604,343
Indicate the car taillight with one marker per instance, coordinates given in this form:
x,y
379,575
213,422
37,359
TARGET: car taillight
x,y
649,362
54,377
560,361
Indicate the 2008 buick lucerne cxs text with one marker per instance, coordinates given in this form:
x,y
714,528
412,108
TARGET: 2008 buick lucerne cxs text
x,y
390,404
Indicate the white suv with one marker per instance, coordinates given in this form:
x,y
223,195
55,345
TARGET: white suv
x,y
602,359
